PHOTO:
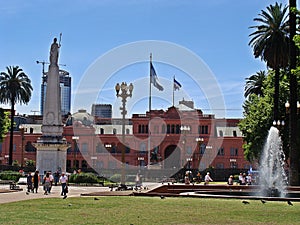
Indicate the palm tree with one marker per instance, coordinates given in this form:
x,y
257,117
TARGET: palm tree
x,y
254,84
15,87
294,126
270,42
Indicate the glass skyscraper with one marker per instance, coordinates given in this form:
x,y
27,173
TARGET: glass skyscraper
x,y
102,110
65,91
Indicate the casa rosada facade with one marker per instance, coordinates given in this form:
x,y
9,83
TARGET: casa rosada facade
x,y
179,138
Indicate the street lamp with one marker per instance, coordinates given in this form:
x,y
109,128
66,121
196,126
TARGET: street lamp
x,y
199,141
75,139
123,91
140,160
184,129
279,123
22,129
287,107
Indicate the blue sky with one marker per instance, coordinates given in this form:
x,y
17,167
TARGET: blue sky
x,y
216,31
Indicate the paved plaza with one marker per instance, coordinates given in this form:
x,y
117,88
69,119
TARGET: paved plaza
x,y
7,195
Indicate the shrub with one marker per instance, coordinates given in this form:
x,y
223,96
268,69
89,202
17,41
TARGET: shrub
x,y
10,175
116,178
89,178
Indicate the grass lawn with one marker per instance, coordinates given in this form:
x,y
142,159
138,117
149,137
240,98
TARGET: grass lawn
x,y
147,210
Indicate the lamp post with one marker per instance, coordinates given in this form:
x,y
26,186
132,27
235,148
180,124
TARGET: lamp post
x,y
123,91
22,129
75,139
199,141
184,129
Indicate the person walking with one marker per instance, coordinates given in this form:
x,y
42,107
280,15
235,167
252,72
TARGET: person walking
x,y
63,181
46,182
36,181
56,177
51,181
29,183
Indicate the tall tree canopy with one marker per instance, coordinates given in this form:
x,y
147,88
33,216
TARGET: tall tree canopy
x,y
15,87
258,116
270,42
255,84
4,124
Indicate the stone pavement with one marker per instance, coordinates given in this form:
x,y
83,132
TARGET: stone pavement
x,y
74,191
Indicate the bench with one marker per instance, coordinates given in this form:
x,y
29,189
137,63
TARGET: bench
x,y
2,182
13,186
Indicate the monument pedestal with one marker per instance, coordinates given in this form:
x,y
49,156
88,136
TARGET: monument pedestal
x,y
52,147
51,156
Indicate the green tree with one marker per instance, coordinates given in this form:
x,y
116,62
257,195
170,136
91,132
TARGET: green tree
x,y
258,117
270,42
4,124
254,84
15,87
294,141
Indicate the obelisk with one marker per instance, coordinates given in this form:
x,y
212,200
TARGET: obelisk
x,y
52,147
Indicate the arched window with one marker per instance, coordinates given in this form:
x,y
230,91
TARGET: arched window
x,y
172,129
29,147
84,148
143,150
168,128
177,129
163,129
127,149
84,164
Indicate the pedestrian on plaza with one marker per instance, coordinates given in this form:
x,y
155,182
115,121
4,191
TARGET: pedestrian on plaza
x,y
243,179
51,180
63,181
46,183
36,181
207,178
56,177
186,178
230,180
138,182
29,183
240,178
199,177
249,179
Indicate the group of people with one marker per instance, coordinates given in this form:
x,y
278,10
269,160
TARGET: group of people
x,y
188,177
33,182
243,179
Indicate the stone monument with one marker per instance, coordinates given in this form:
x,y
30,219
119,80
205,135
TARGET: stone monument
x,y
52,147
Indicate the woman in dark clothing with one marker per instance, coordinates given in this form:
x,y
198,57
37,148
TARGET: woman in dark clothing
x,y
36,181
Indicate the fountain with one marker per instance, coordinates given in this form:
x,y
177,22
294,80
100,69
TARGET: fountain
x,y
272,179
272,184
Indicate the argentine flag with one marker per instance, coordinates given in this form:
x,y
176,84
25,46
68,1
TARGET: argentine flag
x,y
177,85
154,78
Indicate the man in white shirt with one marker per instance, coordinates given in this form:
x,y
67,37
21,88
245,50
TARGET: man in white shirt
x,y
63,181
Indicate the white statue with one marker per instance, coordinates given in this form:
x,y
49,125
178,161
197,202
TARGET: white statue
x,y
54,52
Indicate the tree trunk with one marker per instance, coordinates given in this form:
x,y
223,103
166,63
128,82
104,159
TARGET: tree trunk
x,y
294,155
276,94
11,138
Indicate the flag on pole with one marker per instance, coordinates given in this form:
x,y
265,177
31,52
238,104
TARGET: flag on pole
x,y
154,78
177,85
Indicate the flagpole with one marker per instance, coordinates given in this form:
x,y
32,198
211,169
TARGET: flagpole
x,y
173,88
149,134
